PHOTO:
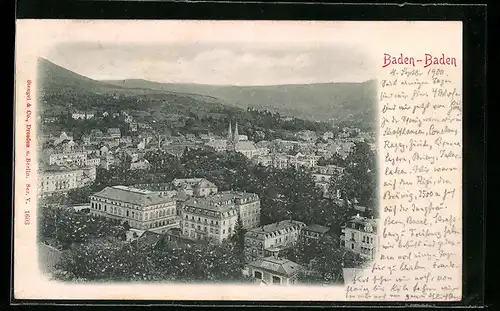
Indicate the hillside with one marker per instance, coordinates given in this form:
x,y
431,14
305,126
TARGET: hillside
x,y
339,101
63,90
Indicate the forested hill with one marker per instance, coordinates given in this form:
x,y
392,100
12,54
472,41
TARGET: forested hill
x,y
353,103
62,90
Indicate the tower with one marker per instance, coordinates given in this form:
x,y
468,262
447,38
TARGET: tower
x,y
236,138
229,133
230,144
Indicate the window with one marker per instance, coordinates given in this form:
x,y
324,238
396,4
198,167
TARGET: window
x,y
276,280
352,245
257,275
223,231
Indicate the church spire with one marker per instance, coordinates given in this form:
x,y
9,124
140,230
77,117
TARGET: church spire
x,y
236,134
230,133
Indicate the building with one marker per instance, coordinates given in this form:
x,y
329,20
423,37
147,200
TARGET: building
x,y
89,174
328,135
306,135
78,158
313,233
114,132
199,187
264,160
274,271
133,126
304,160
82,115
140,165
360,236
220,145
283,161
60,179
248,205
210,220
214,217
142,209
62,138
93,161
269,239
322,176
246,147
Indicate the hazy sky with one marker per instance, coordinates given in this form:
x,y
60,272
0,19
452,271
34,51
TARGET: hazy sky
x,y
218,63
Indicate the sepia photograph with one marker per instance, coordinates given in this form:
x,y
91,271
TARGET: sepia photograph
x,y
206,162
176,160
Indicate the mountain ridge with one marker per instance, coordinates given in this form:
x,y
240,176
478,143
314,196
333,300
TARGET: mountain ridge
x,y
317,101
354,103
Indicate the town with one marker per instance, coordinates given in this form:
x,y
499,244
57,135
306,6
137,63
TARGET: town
x,y
144,192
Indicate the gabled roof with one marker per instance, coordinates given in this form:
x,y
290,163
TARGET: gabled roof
x,y
271,229
280,266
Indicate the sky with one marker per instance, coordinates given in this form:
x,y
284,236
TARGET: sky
x,y
221,63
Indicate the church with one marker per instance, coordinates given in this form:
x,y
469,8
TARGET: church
x,y
240,143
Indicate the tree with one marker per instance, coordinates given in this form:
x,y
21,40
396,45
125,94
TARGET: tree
x,y
126,225
324,260
238,237
360,180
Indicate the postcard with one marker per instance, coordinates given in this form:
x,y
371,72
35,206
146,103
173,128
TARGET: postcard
x,y
238,160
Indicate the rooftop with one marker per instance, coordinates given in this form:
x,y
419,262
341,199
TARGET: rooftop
x,y
274,227
192,182
132,195
279,265
57,168
363,223
246,145
218,203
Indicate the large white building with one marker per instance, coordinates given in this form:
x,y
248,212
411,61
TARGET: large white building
x,y
142,209
205,220
214,217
